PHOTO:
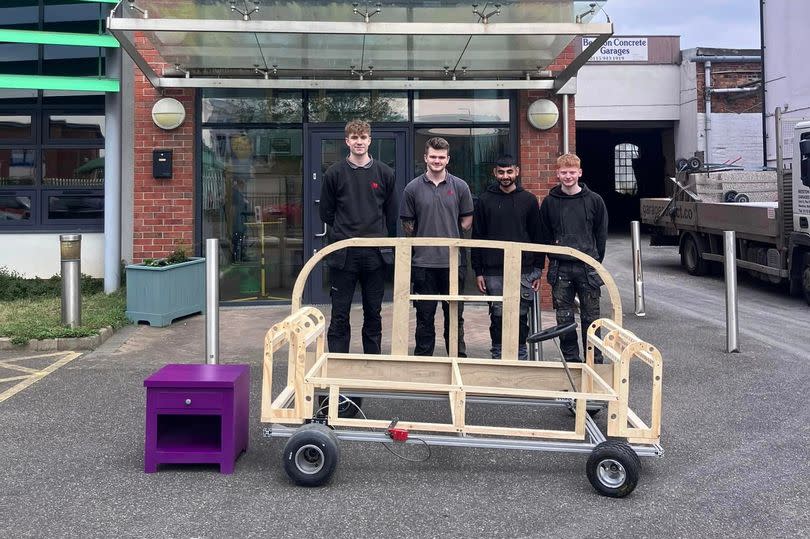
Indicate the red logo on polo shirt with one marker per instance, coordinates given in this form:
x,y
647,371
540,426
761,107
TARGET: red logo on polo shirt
x,y
450,192
375,185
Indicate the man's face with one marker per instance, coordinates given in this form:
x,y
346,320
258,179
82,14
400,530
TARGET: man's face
x,y
358,143
569,176
437,160
506,176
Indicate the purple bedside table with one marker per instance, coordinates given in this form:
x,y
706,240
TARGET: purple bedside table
x,y
196,413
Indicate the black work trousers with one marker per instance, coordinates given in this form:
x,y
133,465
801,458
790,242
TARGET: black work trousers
x,y
570,279
434,281
362,265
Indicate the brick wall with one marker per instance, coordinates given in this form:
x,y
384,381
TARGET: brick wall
x,y
539,149
730,75
163,209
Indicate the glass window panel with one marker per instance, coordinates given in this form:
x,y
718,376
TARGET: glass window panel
x,y
473,151
625,177
373,106
18,59
252,197
17,166
15,97
15,208
78,206
461,107
20,15
71,16
72,61
396,11
73,167
75,127
252,106
60,98
15,127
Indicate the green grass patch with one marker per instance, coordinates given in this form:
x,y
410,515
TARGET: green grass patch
x,y
40,317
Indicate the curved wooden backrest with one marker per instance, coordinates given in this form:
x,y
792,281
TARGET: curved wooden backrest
x,y
402,296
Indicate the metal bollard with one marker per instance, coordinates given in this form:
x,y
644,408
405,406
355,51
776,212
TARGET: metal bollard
x,y
536,323
730,264
638,276
70,248
212,301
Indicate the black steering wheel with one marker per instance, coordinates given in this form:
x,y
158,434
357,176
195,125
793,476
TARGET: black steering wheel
x,y
551,333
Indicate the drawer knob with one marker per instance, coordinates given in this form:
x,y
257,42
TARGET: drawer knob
x,y
188,402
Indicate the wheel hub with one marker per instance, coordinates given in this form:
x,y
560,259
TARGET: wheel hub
x,y
611,473
309,459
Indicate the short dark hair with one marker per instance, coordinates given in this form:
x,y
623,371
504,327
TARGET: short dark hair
x,y
506,161
437,143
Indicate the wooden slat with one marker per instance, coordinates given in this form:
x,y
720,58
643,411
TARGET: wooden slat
x,y
511,301
524,433
452,334
400,328
455,297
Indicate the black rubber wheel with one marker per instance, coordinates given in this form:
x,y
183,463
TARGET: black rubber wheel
x,y
690,257
311,455
695,163
345,408
613,469
681,164
729,196
742,197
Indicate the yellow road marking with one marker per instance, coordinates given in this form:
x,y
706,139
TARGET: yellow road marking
x,y
20,368
37,375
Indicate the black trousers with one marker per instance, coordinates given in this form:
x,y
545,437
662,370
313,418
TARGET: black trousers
x,y
362,265
435,281
575,279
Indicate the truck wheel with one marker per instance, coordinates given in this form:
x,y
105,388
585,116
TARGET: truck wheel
x,y
730,195
311,455
806,283
690,257
613,469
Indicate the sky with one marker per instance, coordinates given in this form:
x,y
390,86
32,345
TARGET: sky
x,y
700,23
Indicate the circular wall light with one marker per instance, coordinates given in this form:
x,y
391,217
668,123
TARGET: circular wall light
x,y
168,113
543,114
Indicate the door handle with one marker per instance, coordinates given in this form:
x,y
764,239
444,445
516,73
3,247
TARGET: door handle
x,y
322,234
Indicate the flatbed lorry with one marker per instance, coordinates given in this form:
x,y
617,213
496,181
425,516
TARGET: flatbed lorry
x,y
773,237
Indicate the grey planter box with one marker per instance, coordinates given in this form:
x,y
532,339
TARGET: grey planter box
x,y
160,295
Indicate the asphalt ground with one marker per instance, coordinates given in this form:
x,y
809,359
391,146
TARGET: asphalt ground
x,y
735,433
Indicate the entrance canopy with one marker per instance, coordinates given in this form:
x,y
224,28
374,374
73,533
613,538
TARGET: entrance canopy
x,y
400,44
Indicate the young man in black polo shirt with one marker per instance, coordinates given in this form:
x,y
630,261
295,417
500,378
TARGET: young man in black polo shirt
x,y
437,205
506,212
358,200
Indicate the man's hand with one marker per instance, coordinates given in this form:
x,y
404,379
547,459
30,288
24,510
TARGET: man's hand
x,y
482,286
407,227
536,284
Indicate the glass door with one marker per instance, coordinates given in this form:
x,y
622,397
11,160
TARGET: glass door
x,y
252,200
326,147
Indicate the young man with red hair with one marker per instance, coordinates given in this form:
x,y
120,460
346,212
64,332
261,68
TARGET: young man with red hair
x,y
574,216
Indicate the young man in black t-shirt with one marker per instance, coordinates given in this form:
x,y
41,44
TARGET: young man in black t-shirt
x,y
358,200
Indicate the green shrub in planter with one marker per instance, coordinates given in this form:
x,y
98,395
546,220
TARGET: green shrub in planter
x,y
160,291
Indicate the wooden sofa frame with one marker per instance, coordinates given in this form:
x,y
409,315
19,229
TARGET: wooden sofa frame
x,y
311,370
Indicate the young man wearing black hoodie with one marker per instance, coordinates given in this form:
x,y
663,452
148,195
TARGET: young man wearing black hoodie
x,y
574,216
506,212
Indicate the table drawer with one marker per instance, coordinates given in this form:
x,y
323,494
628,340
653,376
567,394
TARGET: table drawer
x,y
189,399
